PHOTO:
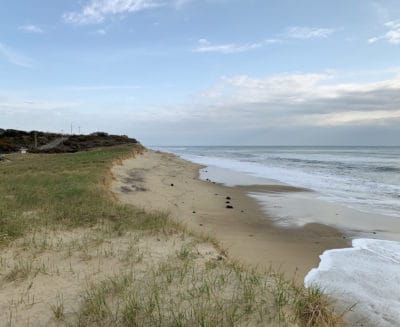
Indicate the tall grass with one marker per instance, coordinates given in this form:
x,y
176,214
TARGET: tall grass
x,y
184,291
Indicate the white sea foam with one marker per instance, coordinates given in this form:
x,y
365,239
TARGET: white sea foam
x,y
368,275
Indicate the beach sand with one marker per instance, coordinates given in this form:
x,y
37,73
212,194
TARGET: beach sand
x,y
161,181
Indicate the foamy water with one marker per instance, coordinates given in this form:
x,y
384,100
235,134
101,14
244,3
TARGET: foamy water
x,y
367,275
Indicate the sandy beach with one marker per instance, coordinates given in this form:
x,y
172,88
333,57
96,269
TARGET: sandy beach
x,y
162,181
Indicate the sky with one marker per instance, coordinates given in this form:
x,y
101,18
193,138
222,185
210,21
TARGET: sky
x,y
204,72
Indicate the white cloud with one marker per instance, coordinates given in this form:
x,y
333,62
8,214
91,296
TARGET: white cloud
x,y
392,35
343,118
290,87
14,57
31,29
96,11
295,100
302,32
205,46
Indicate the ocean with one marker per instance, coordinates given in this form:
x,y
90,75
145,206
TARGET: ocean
x,y
364,178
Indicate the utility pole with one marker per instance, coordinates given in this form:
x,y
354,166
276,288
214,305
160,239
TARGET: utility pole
x,y
79,128
71,128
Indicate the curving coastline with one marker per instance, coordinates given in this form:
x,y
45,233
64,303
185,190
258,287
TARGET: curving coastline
x,y
162,181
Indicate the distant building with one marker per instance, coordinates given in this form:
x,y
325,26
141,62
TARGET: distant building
x,y
23,150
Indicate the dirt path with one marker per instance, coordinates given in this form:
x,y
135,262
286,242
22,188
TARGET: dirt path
x,y
53,144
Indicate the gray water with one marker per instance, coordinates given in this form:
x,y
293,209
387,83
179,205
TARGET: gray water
x,y
364,178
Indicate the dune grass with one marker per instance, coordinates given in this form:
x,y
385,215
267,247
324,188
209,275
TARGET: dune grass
x,y
70,191
184,292
63,190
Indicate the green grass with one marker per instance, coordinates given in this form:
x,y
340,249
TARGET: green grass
x,y
63,190
58,308
183,291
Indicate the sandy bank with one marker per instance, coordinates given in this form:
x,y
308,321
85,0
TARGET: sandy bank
x,y
160,181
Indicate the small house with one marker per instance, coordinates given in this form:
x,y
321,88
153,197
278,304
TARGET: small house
x,y
23,150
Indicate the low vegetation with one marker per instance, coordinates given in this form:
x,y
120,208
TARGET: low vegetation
x,y
71,250
194,292
63,189
12,140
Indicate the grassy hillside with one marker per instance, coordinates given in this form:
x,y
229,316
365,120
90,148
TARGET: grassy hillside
x,y
72,255
58,189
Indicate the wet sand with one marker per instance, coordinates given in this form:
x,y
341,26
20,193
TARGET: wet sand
x,y
161,181
300,208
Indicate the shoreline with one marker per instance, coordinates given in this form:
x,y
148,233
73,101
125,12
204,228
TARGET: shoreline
x,y
164,182
350,275
295,206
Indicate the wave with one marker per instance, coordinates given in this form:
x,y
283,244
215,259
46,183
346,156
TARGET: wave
x,y
367,275
387,169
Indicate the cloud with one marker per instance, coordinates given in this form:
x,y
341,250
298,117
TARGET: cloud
x,y
333,119
31,29
14,57
97,11
239,105
205,46
290,108
392,35
296,100
301,32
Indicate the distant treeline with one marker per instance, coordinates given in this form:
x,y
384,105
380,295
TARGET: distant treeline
x,y
12,140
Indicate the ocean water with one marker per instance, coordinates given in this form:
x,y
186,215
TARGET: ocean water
x,y
364,178
368,275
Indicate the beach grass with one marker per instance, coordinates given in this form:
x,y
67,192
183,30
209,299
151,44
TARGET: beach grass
x,y
64,190
184,293
68,192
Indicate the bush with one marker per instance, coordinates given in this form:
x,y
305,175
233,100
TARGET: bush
x,y
6,147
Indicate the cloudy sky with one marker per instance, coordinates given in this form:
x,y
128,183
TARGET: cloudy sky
x,y
204,72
